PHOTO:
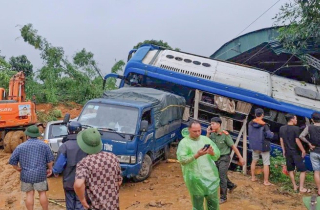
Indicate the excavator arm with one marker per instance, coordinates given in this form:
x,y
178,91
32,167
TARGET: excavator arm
x,y
17,88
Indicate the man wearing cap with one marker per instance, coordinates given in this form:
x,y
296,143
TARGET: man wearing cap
x,y
259,140
313,131
98,175
225,143
33,159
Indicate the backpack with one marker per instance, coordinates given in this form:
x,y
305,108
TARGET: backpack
x,y
312,202
258,138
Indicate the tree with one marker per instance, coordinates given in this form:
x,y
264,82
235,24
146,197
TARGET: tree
x,y
302,22
77,80
84,60
155,42
4,65
21,63
5,73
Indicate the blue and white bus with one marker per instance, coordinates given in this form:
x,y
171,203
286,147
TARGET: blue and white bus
x,y
218,88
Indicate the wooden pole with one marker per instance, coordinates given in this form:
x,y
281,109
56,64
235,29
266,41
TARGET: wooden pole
x,y
196,104
243,128
244,167
236,144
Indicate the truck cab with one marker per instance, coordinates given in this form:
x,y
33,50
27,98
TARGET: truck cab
x,y
133,127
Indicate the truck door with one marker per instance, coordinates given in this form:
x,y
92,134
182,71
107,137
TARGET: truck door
x,y
147,142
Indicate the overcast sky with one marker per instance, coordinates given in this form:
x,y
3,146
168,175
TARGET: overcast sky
x,y
110,29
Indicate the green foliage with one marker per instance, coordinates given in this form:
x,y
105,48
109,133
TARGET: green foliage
x,y
277,176
156,42
4,65
5,75
21,63
276,164
63,80
56,113
44,118
302,22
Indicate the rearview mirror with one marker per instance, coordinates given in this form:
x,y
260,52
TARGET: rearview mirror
x,y
66,118
144,125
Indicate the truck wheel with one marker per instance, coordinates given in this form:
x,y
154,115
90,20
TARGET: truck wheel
x,y
145,171
17,138
1,138
6,142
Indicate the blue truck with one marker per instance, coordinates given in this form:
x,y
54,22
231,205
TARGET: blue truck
x,y
218,88
136,124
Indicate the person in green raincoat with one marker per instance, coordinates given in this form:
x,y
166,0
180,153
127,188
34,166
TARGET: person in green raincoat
x,y
198,167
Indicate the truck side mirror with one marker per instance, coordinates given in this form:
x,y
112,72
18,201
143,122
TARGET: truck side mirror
x,y
144,125
66,118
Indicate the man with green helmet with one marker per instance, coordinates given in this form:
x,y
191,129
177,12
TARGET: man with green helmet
x,y
98,175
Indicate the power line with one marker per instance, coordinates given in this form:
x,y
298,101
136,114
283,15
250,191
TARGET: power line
x,y
225,52
256,53
283,64
258,17
247,28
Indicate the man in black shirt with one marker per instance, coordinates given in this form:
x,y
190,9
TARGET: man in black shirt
x,y
313,131
293,151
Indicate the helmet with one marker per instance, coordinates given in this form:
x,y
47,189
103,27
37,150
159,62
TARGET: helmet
x,y
74,127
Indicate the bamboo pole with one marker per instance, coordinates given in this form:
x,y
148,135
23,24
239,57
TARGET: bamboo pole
x,y
196,104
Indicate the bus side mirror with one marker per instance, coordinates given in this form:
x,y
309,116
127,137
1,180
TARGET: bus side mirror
x,y
66,118
144,125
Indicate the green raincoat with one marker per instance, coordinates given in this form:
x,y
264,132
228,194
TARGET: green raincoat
x,y
200,175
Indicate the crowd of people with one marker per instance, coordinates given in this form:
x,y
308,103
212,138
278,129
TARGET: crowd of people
x,y
205,159
92,178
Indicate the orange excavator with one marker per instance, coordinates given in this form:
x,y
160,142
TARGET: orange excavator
x,y
15,113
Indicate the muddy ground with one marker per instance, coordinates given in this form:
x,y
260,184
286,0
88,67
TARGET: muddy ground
x,y
165,189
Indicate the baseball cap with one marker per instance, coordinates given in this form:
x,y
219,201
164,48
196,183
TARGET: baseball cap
x,y
258,111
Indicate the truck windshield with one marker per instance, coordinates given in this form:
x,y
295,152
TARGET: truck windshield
x,y
118,118
57,130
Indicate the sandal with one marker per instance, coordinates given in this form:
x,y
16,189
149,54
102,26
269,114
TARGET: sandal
x,y
268,184
307,191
